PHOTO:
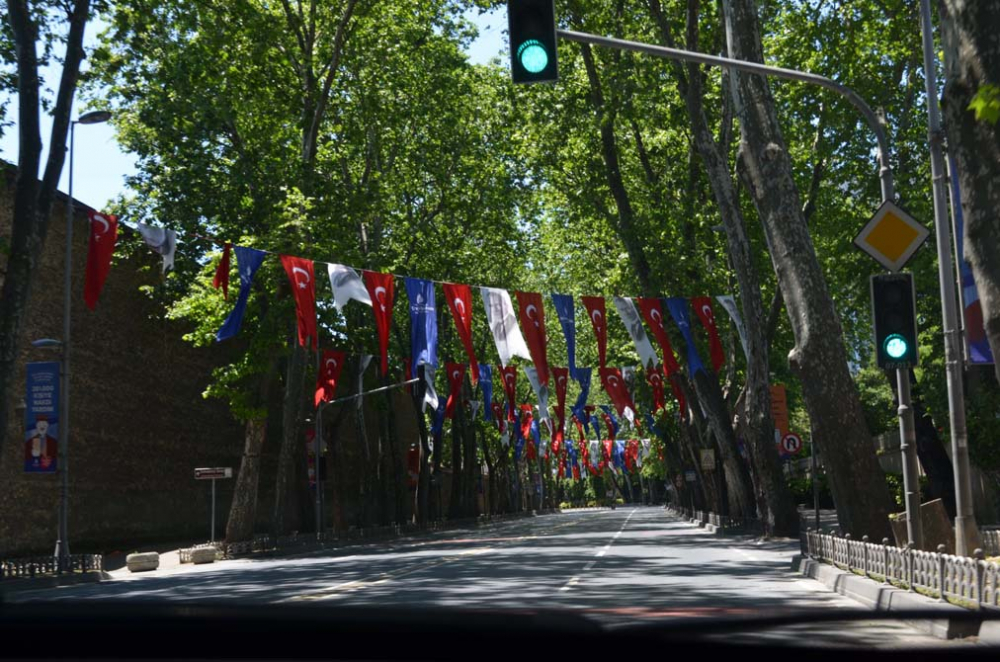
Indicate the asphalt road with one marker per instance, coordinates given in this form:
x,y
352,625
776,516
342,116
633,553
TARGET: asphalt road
x,y
629,565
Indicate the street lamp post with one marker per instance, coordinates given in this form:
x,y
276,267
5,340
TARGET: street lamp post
x,y
62,541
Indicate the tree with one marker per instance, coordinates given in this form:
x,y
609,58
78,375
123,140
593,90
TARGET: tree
x,y
29,23
818,357
971,113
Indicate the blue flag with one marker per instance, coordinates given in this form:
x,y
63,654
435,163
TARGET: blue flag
x,y
486,383
437,419
423,321
678,307
614,421
519,438
597,427
564,308
619,454
583,377
536,434
248,260
651,423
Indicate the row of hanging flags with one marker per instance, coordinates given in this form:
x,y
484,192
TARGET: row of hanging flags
x,y
528,341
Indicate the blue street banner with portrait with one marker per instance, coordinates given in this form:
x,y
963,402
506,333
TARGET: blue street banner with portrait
x,y
41,423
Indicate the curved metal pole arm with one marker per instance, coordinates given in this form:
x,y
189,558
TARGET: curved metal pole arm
x,y
885,170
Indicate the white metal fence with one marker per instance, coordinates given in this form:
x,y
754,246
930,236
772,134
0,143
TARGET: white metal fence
x,y
968,582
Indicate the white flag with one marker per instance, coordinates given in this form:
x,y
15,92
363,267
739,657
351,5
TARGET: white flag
x,y
162,241
541,392
633,322
475,404
347,285
503,325
505,438
729,303
595,453
430,395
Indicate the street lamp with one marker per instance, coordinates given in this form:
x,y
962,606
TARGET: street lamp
x,y
62,541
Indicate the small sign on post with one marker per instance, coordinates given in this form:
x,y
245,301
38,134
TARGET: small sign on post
x,y
213,474
707,459
690,476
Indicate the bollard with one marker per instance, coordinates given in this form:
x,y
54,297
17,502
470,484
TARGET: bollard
x,y
847,537
885,558
940,564
980,559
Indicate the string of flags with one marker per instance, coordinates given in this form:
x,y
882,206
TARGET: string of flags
x,y
521,334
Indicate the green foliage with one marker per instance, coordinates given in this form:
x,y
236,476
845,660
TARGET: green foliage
x,y
895,483
986,103
877,400
802,491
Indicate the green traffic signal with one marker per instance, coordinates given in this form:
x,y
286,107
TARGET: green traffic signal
x,y
533,56
896,346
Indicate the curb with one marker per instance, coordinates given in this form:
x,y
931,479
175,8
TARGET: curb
x,y
17,585
885,597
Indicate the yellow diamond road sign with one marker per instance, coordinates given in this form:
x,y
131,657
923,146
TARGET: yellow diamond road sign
x,y
891,237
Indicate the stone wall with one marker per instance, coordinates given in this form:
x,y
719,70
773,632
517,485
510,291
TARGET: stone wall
x,y
139,424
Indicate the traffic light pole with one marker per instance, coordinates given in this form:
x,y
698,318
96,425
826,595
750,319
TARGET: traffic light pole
x,y
906,423
908,448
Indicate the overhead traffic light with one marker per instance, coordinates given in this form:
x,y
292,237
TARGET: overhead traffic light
x,y
532,28
894,311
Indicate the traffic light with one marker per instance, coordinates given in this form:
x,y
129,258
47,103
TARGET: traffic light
x,y
532,28
894,310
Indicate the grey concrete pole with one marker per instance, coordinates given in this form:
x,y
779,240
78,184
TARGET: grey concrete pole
x,y
966,532
908,447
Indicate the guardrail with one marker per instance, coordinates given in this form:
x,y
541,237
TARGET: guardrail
x,y
968,582
991,540
42,566
265,543
721,522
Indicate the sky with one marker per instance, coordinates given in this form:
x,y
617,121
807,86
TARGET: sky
x,y
100,166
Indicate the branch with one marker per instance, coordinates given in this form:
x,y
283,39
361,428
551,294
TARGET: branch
x,y
64,103
331,72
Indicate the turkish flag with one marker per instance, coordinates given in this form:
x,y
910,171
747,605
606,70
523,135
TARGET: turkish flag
x,y
579,428
655,379
459,299
609,424
381,288
611,379
456,374
100,248
562,379
329,372
532,314
609,449
526,419
498,414
598,317
509,375
703,309
576,472
562,468
300,273
652,312
222,271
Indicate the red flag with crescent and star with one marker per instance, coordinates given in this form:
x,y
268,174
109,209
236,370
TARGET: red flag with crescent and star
x,y
300,273
562,377
655,379
652,312
703,309
611,379
100,249
330,365
456,374
381,288
597,313
222,271
532,315
498,414
459,299
509,375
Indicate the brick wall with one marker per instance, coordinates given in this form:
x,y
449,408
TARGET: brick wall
x,y
138,422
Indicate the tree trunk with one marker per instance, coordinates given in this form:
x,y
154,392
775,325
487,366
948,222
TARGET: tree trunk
x,y
285,514
33,199
737,478
818,358
779,516
456,505
972,62
243,512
